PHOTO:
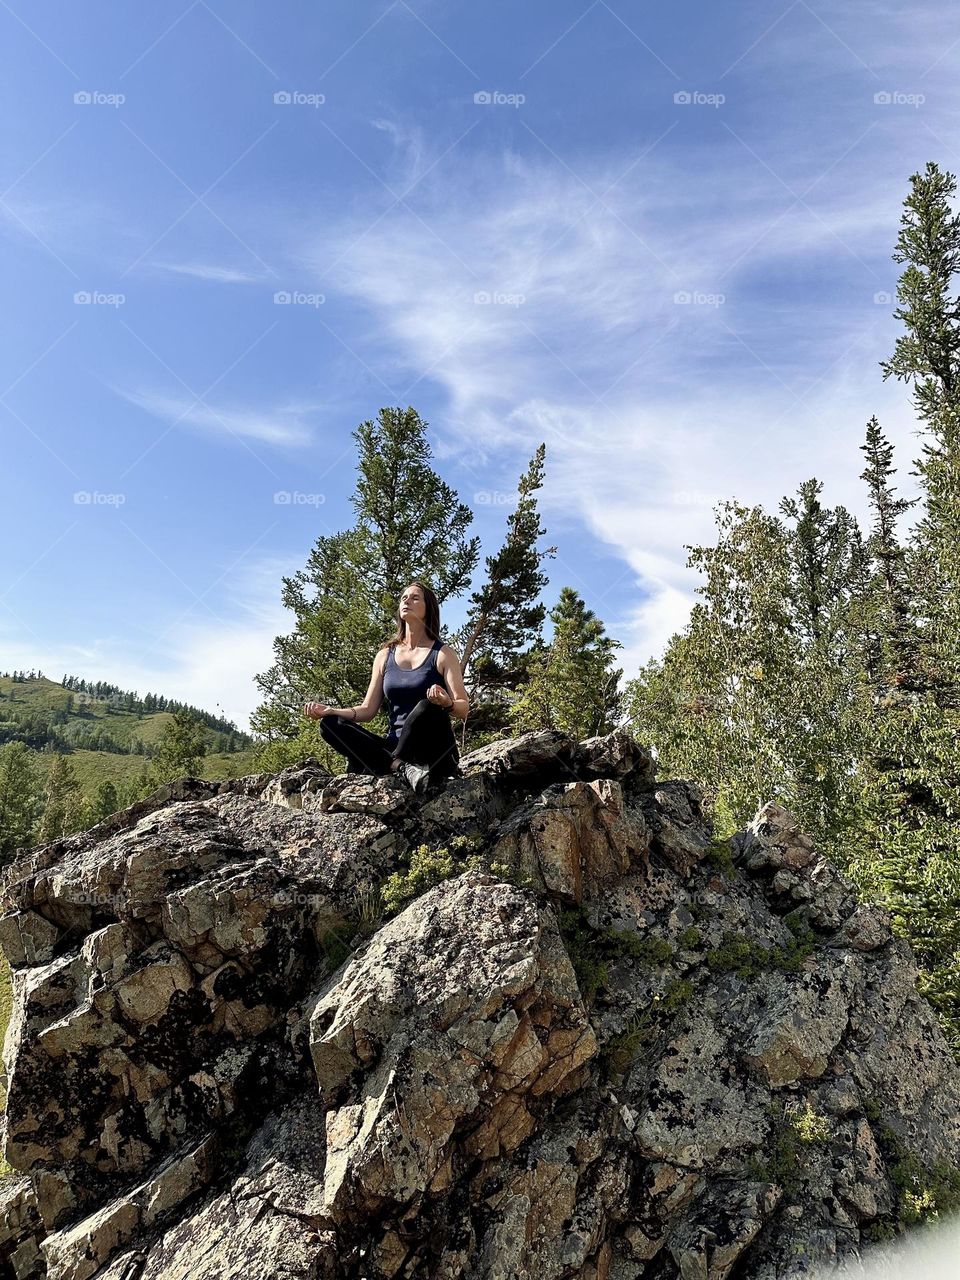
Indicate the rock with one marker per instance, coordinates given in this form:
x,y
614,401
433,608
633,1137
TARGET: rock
x,y
290,787
681,835
532,756
79,1251
802,1023
588,1053
796,875
21,1227
435,1038
618,756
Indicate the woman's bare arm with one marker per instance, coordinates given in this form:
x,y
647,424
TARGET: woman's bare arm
x,y
367,709
448,664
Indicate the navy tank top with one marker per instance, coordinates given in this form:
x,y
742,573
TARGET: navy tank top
x,y
404,688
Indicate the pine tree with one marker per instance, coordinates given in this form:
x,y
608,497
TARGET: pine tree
x,y
107,801
505,619
910,855
573,686
761,695
20,799
180,748
79,814
893,644
61,783
823,733
406,516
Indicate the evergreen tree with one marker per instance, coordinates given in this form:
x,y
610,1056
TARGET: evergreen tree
x,y
180,748
761,696
406,516
107,801
504,619
20,799
573,685
910,853
79,814
927,356
61,783
892,643
823,729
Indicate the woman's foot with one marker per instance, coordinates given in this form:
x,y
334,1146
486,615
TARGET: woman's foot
x,y
418,776
395,765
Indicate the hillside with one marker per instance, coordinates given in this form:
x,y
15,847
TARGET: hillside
x,y
45,714
538,1023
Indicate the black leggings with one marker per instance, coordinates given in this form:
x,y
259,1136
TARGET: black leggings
x,y
426,738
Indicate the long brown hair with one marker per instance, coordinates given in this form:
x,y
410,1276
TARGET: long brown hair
x,y
431,617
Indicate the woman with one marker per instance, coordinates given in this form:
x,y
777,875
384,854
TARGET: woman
x,y
420,739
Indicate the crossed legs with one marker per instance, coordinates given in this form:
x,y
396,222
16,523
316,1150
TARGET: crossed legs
x,y
426,739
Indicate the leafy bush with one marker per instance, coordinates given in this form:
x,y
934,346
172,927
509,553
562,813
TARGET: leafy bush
x,y
591,950
428,868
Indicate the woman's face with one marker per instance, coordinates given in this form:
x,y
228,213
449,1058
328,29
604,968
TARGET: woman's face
x,y
412,605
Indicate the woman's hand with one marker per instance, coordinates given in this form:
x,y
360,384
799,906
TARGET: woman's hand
x,y
316,710
438,694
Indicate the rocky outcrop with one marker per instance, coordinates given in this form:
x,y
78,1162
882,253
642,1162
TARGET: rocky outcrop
x,y
538,1024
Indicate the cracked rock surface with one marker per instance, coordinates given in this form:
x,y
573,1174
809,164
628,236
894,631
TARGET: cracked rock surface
x,y
606,1047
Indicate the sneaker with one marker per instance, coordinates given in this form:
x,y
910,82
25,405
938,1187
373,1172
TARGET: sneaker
x,y
418,776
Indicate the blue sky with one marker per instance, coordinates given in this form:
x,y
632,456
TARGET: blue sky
x,y
657,239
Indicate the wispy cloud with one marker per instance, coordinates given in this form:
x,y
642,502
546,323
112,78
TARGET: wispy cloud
x,y
410,149
649,329
280,426
210,271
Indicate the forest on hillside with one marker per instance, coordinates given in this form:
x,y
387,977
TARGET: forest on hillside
x,y
33,711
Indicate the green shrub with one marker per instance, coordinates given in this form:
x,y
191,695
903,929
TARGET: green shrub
x,y
591,950
924,1193
700,911
370,908
741,955
580,940
621,1050
677,993
810,1125
335,948
428,868
720,856
782,1163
